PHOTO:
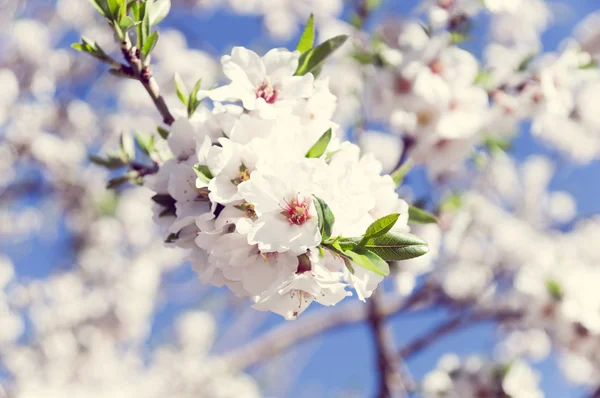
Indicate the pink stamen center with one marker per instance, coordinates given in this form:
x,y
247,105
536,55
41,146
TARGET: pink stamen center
x,y
437,67
267,91
296,211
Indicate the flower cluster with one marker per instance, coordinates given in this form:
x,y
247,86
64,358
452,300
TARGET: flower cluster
x,y
268,198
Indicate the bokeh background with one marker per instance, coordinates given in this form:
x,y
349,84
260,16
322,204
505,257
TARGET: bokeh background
x,y
57,221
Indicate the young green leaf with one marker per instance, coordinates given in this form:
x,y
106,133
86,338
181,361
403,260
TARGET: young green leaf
x,y
126,147
368,260
373,4
592,64
525,63
348,265
193,101
458,37
127,23
159,10
380,227
203,173
326,218
452,202
554,290
110,162
314,58
395,246
420,216
146,144
145,28
150,43
320,146
164,133
100,5
181,90
118,181
401,172
113,8
497,144
307,39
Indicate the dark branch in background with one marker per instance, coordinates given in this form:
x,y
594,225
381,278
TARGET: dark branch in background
x,y
391,382
451,325
311,325
143,73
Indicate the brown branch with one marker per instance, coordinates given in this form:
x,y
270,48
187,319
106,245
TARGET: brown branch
x,y
310,325
144,75
391,382
452,325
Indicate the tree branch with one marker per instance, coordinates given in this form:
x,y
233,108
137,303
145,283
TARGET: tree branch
x,y
391,382
451,325
143,73
310,325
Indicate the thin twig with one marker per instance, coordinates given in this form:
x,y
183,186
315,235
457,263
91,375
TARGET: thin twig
x,y
143,73
451,325
310,325
391,382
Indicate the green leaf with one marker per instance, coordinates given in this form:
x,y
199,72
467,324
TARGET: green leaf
x,y
364,57
554,290
203,173
164,133
326,218
593,64
92,48
401,172
193,101
181,90
158,11
146,144
109,163
320,146
100,5
127,147
348,265
395,246
145,27
150,43
380,227
497,144
525,62
453,202
373,4
113,8
127,23
118,181
458,37
307,39
122,9
314,58
368,260
484,78
420,216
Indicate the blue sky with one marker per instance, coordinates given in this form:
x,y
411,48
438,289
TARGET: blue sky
x,y
345,358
